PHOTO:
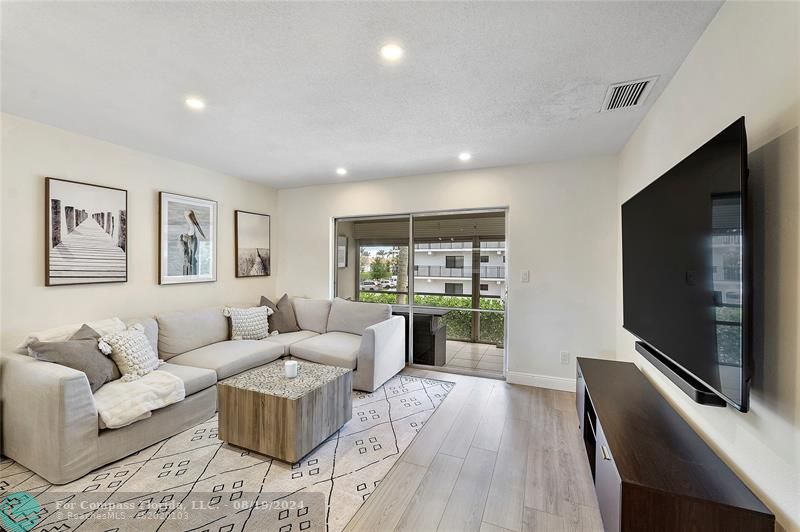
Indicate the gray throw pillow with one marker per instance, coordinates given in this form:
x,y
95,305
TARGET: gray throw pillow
x,y
80,352
282,318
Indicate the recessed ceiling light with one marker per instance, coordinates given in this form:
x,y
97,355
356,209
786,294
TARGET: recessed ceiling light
x,y
465,156
195,104
392,52
341,171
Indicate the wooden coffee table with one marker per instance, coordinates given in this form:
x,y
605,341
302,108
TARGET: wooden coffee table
x,y
263,411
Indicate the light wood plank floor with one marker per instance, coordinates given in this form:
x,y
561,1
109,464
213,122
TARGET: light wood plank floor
x,y
494,457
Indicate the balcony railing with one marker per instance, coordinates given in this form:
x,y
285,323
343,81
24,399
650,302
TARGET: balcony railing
x,y
458,245
727,273
443,245
493,272
727,240
486,272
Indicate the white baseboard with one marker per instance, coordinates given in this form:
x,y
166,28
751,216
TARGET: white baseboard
x,y
541,381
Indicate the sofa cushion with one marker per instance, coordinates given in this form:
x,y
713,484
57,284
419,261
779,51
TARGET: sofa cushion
x,y
312,314
287,339
352,317
231,356
334,349
194,379
180,332
282,318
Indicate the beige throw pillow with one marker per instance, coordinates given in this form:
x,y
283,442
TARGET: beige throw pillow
x,y
131,351
248,323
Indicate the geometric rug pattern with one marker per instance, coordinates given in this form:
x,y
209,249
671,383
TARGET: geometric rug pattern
x,y
194,482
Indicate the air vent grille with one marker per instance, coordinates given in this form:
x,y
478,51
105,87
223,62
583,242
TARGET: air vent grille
x,y
628,94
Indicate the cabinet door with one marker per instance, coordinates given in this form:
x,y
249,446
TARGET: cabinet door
x,y
608,484
580,397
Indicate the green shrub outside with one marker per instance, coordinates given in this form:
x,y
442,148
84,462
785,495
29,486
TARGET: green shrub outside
x,y
459,323
492,328
377,297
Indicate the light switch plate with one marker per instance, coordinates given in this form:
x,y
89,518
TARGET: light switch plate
x,y
525,276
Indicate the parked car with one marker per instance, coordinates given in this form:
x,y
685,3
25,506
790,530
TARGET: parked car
x,y
368,286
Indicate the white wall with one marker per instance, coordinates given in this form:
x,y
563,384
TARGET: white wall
x,y
32,151
561,228
746,63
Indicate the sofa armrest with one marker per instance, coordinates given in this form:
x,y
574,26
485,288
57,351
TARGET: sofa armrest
x,y
49,417
381,355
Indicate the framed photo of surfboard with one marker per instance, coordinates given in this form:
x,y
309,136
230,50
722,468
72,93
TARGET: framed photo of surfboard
x,y
86,232
252,244
187,239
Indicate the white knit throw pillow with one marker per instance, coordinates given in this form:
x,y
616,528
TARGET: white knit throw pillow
x,y
131,352
248,323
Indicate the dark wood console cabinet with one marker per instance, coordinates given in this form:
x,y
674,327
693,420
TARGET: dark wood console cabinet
x,y
651,471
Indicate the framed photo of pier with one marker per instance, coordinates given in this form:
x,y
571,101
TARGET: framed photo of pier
x,y
341,251
187,239
86,233
252,244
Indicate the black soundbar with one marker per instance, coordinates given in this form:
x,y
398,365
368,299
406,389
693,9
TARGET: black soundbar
x,y
688,384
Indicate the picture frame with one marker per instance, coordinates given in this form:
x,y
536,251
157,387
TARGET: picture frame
x,y
86,233
187,239
341,251
252,244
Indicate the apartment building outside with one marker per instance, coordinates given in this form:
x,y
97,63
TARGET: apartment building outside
x,y
447,268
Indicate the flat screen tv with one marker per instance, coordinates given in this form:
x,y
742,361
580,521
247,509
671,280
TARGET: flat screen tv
x,y
686,266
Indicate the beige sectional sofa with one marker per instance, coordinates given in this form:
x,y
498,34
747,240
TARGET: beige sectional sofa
x,y
51,425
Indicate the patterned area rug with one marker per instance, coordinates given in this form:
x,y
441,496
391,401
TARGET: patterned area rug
x,y
194,482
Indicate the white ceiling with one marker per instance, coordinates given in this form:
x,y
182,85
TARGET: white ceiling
x,y
294,90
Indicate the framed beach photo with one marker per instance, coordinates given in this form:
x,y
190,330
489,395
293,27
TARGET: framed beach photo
x,y
86,232
187,239
252,244
341,251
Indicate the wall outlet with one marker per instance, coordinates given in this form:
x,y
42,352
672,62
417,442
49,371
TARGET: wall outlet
x,y
565,357
525,276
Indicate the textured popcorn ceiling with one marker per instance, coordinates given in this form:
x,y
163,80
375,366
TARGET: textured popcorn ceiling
x,y
295,90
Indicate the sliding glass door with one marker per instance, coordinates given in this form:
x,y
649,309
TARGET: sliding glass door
x,y
444,272
459,280
377,261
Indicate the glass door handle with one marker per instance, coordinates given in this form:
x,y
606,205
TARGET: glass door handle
x,y
605,452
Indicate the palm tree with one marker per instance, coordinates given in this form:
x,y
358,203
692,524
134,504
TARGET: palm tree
x,y
402,275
